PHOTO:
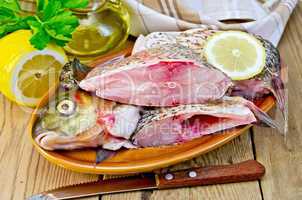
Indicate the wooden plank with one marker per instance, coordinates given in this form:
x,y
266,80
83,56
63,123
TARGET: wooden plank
x,y
236,151
282,156
23,171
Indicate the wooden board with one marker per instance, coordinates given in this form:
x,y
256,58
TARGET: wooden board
x,y
23,171
238,150
282,155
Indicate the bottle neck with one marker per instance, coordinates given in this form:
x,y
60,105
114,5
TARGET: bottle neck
x,y
95,5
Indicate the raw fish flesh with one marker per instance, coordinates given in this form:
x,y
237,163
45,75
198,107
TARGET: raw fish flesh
x,y
169,75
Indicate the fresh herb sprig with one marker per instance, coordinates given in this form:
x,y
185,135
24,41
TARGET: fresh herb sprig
x,y
52,22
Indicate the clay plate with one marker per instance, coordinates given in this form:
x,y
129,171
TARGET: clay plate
x,y
137,160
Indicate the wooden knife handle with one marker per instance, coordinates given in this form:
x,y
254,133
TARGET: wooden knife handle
x,y
246,171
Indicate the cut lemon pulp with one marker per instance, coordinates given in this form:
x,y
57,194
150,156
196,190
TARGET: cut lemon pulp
x,y
27,73
41,70
238,54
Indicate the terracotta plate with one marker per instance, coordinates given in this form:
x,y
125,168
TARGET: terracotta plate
x,y
137,160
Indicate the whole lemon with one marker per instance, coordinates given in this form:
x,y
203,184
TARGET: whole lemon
x,y
25,72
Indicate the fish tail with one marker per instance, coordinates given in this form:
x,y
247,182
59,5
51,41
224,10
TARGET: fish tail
x,y
279,93
262,116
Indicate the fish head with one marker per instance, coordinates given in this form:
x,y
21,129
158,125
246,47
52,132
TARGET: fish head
x,y
70,113
76,119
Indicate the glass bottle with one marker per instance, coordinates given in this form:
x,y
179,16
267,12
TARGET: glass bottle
x,y
104,25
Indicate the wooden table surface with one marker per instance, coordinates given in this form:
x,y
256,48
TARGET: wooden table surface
x,y
24,172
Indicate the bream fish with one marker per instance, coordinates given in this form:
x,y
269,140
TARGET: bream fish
x,y
168,75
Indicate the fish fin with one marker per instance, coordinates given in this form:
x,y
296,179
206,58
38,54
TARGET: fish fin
x,y
279,93
103,154
250,89
80,70
72,73
263,117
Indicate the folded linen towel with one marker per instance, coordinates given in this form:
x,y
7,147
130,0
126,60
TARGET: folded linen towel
x,y
266,18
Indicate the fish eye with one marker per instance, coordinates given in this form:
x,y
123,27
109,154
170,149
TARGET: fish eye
x,y
66,107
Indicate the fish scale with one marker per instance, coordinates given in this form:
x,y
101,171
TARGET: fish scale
x,y
166,52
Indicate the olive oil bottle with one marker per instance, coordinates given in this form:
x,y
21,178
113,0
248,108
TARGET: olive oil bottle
x,y
104,25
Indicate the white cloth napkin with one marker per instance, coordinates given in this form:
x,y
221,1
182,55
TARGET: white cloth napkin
x,y
266,18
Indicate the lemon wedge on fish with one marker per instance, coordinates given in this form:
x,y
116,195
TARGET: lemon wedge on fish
x,y
28,73
238,54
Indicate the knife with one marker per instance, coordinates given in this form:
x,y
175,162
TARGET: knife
x,y
245,171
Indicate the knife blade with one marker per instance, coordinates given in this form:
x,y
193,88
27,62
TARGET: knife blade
x,y
245,171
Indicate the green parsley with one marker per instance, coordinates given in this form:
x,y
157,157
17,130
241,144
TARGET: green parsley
x,y
53,21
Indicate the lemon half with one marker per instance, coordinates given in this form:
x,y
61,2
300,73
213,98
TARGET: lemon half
x,y
26,73
238,54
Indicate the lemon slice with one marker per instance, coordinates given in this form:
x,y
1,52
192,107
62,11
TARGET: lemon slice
x,y
238,54
27,73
